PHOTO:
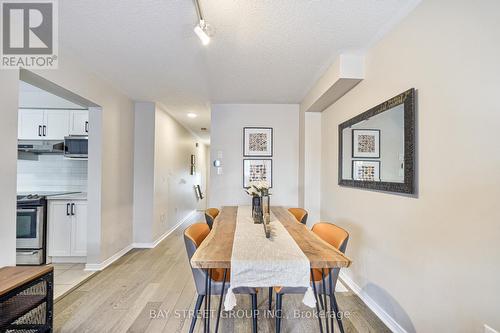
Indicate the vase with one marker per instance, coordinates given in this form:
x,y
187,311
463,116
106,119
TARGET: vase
x,y
257,209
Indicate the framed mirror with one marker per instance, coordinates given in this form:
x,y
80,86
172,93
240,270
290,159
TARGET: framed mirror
x,y
377,147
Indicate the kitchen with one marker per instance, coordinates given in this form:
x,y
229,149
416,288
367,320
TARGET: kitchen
x,y
52,185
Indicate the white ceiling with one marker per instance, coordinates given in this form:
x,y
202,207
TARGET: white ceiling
x,y
263,51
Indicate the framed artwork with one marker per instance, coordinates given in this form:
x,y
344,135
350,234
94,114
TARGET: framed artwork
x,y
365,143
193,165
257,170
257,142
366,170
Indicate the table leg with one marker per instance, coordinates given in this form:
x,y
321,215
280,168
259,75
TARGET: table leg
x,y
206,302
220,301
332,297
317,303
209,297
327,313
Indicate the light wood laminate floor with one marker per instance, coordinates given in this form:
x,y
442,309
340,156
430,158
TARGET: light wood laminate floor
x,y
152,290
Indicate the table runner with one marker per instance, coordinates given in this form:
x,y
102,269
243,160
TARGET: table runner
x,y
257,261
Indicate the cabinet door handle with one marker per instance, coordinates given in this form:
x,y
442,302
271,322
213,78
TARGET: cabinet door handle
x,y
40,130
44,130
86,127
67,209
72,209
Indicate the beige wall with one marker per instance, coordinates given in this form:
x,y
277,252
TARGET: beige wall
x,y
9,89
174,194
202,169
432,261
228,121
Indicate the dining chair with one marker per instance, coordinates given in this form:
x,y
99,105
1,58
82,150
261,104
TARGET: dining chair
x,y
220,278
300,214
210,215
323,281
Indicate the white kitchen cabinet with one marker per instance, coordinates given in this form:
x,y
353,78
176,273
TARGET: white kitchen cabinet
x,y
79,122
56,124
37,124
67,228
30,124
59,230
79,229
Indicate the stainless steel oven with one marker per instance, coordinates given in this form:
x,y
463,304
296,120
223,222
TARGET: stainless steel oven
x,y
30,230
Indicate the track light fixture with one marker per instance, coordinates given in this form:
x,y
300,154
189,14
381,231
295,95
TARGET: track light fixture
x,y
202,28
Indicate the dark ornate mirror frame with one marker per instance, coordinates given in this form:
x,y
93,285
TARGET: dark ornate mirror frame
x,y
408,186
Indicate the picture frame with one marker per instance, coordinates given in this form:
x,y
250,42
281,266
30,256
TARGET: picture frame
x,y
193,165
366,170
257,170
366,143
257,142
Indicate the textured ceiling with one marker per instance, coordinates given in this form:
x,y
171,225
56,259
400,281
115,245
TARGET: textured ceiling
x,y
263,51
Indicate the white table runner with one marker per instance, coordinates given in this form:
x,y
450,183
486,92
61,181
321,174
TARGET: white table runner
x,y
258,262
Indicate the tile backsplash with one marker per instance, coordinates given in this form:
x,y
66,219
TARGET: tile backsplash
x,y
51,173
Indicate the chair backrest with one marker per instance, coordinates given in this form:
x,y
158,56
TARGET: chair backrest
x,y
193,237
210,215
335,236
300,214
332,234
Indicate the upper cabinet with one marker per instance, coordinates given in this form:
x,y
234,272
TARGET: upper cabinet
x,y
79,122
56,124
30,124
36,124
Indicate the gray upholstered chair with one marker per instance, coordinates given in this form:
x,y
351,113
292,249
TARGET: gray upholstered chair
x,y
193,237
338,238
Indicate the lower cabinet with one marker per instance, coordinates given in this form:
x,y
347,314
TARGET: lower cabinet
x,y
67,228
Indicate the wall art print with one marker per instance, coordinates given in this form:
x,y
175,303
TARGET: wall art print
x,y
366,143
257,170
366,170
257,142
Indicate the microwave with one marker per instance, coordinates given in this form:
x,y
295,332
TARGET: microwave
x,y
76,146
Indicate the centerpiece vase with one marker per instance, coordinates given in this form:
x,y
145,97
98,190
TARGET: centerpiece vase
x,y
257,209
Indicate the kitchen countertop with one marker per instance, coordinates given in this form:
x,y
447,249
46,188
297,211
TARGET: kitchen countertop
x,y
69,196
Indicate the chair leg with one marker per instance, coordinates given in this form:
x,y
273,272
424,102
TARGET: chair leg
x,y
337,312
197,307
279,303
254,312
270,298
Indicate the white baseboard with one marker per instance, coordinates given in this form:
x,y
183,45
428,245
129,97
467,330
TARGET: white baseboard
x,y
68,260
116,256
379,312
109,261
166,234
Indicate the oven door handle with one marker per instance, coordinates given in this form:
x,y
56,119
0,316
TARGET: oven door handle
x,y
31,253
27,210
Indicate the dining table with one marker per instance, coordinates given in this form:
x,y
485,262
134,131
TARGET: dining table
x,y
216,251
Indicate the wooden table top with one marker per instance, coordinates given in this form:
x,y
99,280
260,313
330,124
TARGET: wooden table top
x,y
216,250
12,277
